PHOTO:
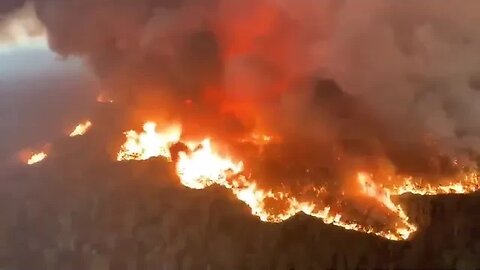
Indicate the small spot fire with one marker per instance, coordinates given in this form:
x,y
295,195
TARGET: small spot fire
x,y
81,129
33,158
36,158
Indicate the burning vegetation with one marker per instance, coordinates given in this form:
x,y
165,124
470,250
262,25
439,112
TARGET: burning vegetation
x,y
148,143
36,158
81,129
465,183
199,165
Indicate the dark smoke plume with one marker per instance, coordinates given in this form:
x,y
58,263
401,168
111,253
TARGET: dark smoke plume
x,y
384,86
18,24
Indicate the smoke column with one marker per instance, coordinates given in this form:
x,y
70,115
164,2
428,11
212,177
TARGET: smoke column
x,y
383,86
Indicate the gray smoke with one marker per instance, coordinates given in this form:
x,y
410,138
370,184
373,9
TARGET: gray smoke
x,y
416,65
367,83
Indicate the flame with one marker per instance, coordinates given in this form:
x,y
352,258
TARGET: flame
x,y
36,157
258,139
149,143
201,165
465,184
81,129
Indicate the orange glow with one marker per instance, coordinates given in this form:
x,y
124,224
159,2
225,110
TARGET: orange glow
x,y
258,139
202,165
81,129
149,143
36,157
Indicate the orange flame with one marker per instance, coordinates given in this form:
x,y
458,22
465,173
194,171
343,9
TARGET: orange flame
x,y
466,184
204,167
382,195
81,129
36,157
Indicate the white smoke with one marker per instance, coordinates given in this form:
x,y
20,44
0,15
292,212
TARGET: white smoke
x,y
22,28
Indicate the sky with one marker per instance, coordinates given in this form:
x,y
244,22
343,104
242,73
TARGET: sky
x,y
24,48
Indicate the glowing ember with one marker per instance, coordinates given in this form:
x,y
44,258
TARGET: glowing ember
x,y
102,98
258,139
37,157
201,166
81,129
149,143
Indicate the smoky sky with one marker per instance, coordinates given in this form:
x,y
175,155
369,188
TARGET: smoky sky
x,y
40,99
370,83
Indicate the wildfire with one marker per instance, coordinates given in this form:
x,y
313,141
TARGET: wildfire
x,y
201,165
81,129
382,195
36,157
149,143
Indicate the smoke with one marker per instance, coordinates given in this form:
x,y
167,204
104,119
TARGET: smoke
x,y
20,27
383,86
414,64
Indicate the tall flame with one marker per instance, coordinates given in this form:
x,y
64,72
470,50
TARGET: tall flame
x,y
203,167
200,166
382,195
149,143
36,157
81,129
